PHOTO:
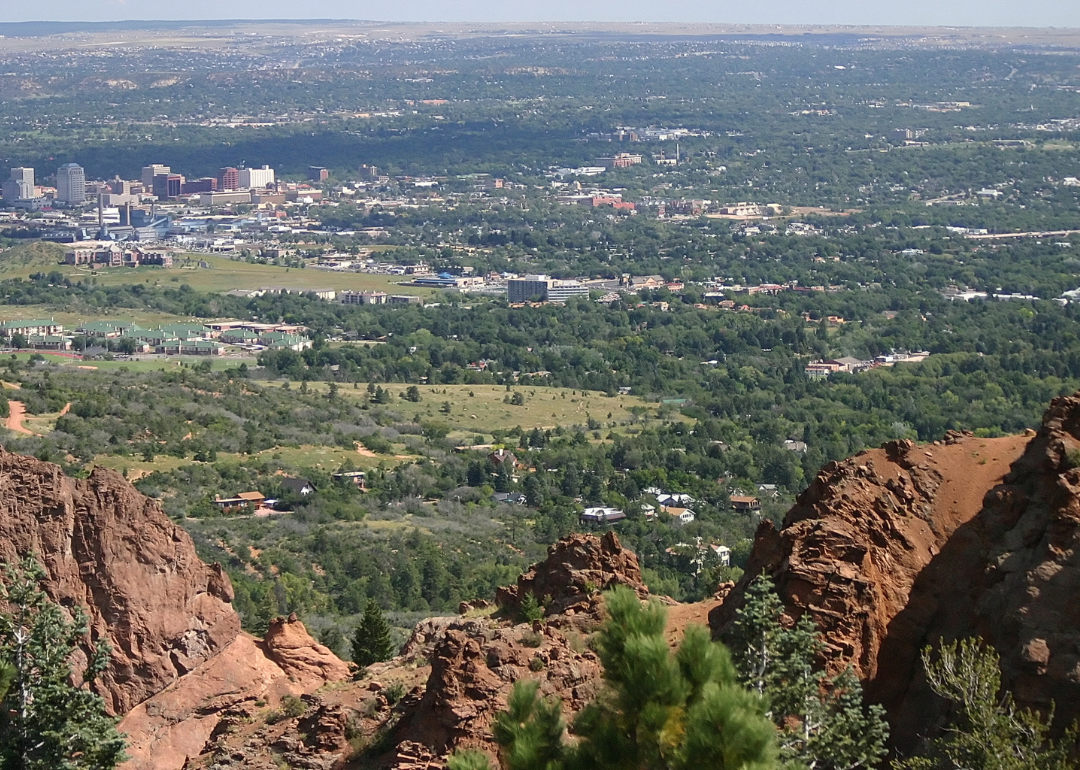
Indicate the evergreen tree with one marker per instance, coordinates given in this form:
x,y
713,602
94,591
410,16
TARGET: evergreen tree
x,y
372,642
992,733
46,722
658,710
821,722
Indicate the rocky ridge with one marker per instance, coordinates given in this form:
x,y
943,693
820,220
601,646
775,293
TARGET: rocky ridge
x,y
179,662
110,550
453,675
889,551
908,546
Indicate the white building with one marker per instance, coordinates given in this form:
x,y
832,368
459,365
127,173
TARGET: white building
x,y
71,184
258,178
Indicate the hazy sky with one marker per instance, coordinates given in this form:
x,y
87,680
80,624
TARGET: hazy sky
x,y
1031,13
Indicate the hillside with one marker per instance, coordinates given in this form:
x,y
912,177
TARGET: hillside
x,y
36,254
889,551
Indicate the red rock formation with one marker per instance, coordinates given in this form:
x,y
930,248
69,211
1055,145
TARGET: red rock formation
x,y
906,546
244,680
179,664
576,568
304,661
111,551
474,667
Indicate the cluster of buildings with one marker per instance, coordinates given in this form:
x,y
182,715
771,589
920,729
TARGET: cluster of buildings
x,y
850,365
169,339
143,209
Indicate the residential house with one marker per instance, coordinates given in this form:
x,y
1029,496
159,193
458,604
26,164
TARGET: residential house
x,y
359,478
243,502
503,456
722,554
601,515
665,499
302,487
745,503
510,498
679,515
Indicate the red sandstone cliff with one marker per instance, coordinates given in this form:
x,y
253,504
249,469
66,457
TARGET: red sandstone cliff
x,y
112,551
906,546
179,660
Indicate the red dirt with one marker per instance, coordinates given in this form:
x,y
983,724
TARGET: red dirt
x,y
16,415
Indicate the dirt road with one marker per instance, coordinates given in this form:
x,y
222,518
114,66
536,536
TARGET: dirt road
x,y
16,415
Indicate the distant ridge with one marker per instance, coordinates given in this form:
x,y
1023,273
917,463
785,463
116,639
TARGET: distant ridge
x,y
37,28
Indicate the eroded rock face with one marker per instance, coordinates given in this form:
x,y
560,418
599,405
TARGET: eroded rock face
x,y
110,550
474,667
908,546
576,568
245,680
302,659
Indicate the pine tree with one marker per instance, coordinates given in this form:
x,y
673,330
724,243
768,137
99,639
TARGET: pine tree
x,y
658,710
48,723
372,641
821,722
991,733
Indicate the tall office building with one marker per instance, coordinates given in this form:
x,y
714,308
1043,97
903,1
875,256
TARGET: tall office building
x,y
71,184
168,186
256,178
228,178
151,171
20,186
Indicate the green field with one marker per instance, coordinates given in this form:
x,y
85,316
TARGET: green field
x,y
480,409
222,275
325,457
143,317
225,274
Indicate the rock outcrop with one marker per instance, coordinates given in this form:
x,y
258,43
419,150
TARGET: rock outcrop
x,y
111,551
246,679
180,665
576,568
453,675
908,546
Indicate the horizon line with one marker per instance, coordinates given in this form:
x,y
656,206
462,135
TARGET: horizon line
x,y
304,20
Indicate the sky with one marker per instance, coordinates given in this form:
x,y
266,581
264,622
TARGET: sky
x,y
968,13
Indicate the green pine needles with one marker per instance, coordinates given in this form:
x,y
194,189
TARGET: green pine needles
x,y
658,710
372,641
821,722
991,732
46,722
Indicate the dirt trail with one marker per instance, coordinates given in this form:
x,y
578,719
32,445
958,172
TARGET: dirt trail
x,y
65,410
16,415
679,616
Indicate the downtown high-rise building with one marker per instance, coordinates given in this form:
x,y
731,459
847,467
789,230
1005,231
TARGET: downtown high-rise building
x,y
71,184
151,171
256,178
228,178
20,186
